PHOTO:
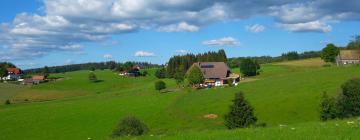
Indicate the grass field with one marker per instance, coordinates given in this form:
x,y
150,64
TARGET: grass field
x,y
286,94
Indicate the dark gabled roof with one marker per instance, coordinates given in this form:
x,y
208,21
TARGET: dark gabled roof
x,y
213,69
349,55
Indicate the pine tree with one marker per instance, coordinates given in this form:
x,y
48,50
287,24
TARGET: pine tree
x,y
241,114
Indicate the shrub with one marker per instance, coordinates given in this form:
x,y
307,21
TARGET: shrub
x,y
129,126
160,85
328,108
349,99
92,77
231,82
249,67
160,73
7,102
241,114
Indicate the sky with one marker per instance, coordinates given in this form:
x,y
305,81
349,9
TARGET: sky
x,y
37,33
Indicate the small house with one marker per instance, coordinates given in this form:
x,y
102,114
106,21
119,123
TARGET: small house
x,y
13,74
346,57
37,79
216,73
134,72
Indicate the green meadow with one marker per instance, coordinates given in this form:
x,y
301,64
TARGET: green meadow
x,y
286,96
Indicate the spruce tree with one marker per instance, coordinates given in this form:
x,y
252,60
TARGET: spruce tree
x,y
241,114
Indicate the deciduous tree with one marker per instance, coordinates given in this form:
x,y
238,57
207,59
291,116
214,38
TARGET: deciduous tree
x,y
329,53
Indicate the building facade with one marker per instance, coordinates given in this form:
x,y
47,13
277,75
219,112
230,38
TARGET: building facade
x,y
347,57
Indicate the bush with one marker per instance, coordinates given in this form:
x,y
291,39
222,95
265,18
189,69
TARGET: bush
x,y
129,126
7,102
160,73
231,82
328,108
92,77
349,99
241,114
249,67
160,85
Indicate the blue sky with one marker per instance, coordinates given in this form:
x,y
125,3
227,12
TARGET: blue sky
x,y
35,33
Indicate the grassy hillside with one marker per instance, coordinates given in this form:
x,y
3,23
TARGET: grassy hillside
x,y
282,95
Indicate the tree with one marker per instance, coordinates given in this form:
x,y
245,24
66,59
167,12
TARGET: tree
x,y
329,53
3,71
129,126
249,67
354,44
291,55
195,75
160,85
92,69
349,99
241,114
179,77
92,77
328,108
160,73
128,66
112,65
45,71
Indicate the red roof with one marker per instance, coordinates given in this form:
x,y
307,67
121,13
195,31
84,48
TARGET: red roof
x,y
13,70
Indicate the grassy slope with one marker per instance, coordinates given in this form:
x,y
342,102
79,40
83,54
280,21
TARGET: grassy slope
x,y
283,94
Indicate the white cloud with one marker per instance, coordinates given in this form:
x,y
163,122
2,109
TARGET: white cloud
x,y
182,51
181,27
108,56
68,22
73,47
69,61
226,41
314,26
256,28
144,54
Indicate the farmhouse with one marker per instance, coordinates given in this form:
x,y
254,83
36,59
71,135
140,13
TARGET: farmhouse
x,y
346,57
134,72
216,73
36,79
13,74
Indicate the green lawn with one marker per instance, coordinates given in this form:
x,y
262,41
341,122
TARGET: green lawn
x,y
281,95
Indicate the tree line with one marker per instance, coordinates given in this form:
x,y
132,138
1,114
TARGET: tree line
x,y
112,65
181,63
292,55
